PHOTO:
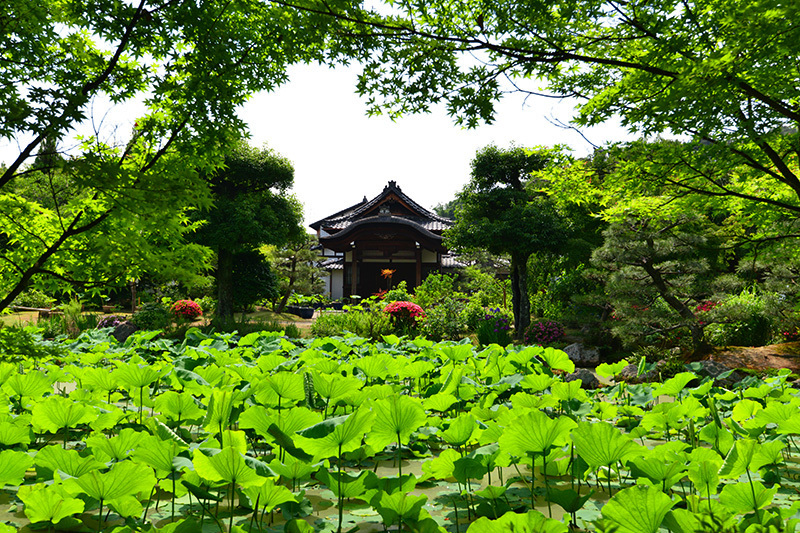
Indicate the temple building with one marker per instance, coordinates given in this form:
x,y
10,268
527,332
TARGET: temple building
x,y
374,244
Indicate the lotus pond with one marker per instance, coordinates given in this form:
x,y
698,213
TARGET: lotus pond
x,y
259,433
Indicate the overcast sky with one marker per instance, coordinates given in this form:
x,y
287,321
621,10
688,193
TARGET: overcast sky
x,y
340,155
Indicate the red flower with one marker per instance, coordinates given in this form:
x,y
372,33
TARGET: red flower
x,y
186,309
404,310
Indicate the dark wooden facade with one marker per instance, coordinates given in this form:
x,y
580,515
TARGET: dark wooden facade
x,y
389,232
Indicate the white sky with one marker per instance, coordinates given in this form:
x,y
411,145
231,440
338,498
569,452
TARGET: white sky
x,y
340,155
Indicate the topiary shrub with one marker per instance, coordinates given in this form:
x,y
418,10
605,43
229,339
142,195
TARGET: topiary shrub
x,y
186,310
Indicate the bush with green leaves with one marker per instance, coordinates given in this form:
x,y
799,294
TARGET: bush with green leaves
x,y
33,298
472,314
398,293
151,316
434,289
365,320
744,319
444,321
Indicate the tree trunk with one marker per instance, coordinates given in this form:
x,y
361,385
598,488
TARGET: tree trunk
x,y
520,301
699,344
224,283
289,286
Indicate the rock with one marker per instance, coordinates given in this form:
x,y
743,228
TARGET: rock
x,y
583,356
628,374
714,368
123,331
587,377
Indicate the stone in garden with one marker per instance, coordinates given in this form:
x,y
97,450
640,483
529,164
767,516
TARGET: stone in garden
x,y
587,377
715,368
123,331
582,355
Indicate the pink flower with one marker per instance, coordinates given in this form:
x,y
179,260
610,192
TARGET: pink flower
x,y
404,310
186,309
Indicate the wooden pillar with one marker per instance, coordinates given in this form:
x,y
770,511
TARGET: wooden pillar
x,y
419,266
354,273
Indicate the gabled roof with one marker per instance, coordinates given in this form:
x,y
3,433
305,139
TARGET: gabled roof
x,y
403,207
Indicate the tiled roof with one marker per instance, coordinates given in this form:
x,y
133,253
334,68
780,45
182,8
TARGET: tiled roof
x,y
342,219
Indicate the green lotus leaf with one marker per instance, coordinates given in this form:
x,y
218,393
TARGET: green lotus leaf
x,y
334,386
118,447
44,503
568,499
662,469
178,406
454,352
126,506
269,495
396,418
460,430
568,391
637,509
443,466
682,521
34,384
439,402
378,366
220,407
609,370
739,458
536,382
535,432
287,386
135,376
492,492
345,434
467,468
292,468
260,419
675,385
100,379
12,433
56,413
54,458
417,369
345,485
704,475
718,437
601,444
557,360
398,506
124,479
13,465
741,498
226,466
158,454
768,453
530,522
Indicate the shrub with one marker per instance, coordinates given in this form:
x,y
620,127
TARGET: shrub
x,y
544,332
444,321
494,328
186,310
398,293
745,319
207,303
404,316
472,314
33,298
152,315
435,289
361,320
